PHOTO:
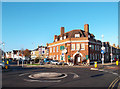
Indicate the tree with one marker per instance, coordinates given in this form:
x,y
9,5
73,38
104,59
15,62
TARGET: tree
x,y
27,53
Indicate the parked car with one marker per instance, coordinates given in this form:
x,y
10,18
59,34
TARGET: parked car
x,y
46,60
61,63
2,64
54,62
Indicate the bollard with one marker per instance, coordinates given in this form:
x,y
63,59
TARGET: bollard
x,y
7,62
117,63
63,64
95,64
6,66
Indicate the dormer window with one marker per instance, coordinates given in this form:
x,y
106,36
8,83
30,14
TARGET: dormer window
x,y
88,36
56,40
64,37
77,35
60,38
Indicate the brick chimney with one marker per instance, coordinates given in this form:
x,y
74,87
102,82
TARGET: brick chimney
x,y
61,30
117,46
113,45
86,27
55,36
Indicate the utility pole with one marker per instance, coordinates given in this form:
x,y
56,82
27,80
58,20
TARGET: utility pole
x,y
103,50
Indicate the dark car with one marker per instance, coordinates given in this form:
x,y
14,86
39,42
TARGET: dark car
x,y
62,63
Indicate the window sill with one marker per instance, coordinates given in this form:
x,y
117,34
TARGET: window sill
x,y
82,49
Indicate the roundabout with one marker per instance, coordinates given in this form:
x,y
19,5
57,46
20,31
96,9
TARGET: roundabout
x,y
49,75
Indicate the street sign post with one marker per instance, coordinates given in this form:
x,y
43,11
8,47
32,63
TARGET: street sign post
x,y
102,51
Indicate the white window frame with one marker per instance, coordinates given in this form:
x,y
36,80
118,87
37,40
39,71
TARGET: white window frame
x,y
78,45
83,44
64,37
57,57
71,46
53,49
60,38
57,48
77,35
55,40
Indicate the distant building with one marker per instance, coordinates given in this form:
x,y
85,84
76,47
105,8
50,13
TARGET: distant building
x,y
41,52
15,55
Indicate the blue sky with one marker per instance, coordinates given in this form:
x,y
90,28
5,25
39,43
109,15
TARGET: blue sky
x,y
26,22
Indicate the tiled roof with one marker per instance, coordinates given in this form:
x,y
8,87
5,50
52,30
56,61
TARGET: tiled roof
x,y
71,34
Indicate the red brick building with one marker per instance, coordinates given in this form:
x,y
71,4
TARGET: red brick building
x,y
75,46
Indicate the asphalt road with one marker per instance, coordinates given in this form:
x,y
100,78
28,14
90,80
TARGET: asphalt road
x,y
76,77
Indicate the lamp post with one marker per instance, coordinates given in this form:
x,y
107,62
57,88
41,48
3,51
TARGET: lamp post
x,y
18,57
102,49
111,54
3,49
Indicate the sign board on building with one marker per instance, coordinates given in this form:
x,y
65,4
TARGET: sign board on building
x,y
86,56
64,51
62,47
68,57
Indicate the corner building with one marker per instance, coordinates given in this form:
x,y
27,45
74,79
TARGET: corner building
x,y
75,46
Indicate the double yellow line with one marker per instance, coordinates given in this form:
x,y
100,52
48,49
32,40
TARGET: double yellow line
x,y
113,83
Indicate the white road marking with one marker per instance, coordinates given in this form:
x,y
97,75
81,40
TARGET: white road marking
x,y
75,75
101,70
23,74
29,80
93,68
115,73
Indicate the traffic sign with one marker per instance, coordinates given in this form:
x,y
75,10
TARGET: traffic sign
x,y
103,48
102,51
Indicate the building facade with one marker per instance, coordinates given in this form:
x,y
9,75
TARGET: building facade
x,y
41,52
75,46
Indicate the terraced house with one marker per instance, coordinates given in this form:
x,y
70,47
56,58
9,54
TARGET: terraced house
x,y
75,46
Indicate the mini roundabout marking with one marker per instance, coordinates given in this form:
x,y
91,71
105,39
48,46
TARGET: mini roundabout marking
x,y
47,76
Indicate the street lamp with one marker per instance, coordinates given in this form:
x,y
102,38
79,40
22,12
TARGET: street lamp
x,y
111,54
102,49
3,49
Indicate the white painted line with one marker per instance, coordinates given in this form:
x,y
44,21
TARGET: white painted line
x,y
75,75
115,73
101,69
105,71
23,74
30,80
93,68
